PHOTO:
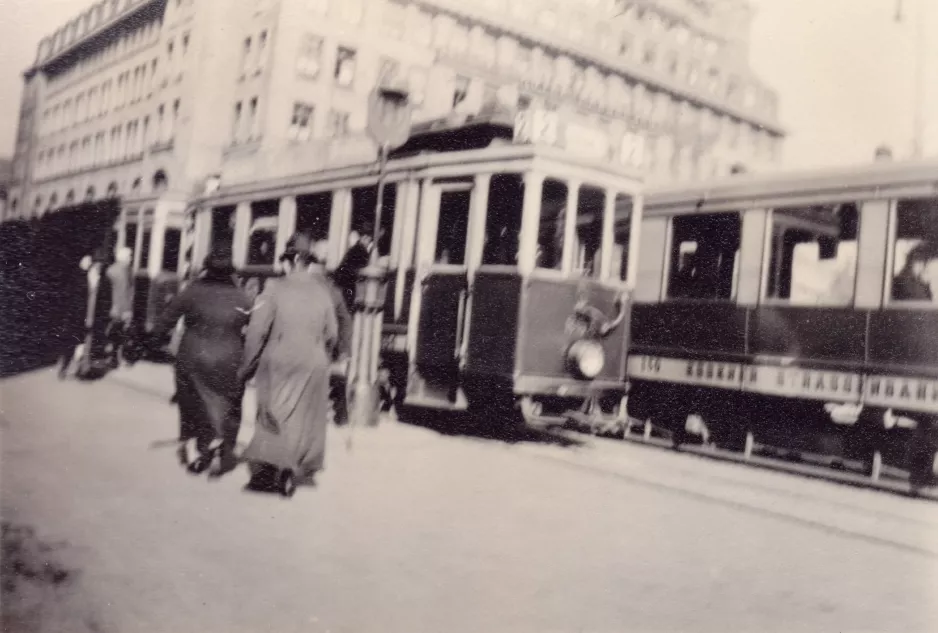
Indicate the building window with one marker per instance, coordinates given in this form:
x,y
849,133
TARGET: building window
x,y
460,90
173,121
301,123
337,124
236,123
144,134
813,255
153,66
261,52
185,44
160,124
387,70
253,119
309,60
246,55
345,67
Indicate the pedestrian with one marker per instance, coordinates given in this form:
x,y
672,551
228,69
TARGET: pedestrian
x,y
121,311
290,341
74,325
356,258
208,392
338,384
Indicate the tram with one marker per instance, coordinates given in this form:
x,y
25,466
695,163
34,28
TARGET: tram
x,y
508,276
795,313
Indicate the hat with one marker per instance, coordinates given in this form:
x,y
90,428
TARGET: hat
x,y
298,247
219,261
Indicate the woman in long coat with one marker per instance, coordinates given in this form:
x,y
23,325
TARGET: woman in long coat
x,y
209,394
288,348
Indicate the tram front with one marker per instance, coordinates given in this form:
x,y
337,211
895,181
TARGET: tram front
x,y
528,282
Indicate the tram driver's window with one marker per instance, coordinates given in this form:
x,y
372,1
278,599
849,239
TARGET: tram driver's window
x,y
503,220
589,231
915,252
813,255
550,234
704,254
620,247
453,227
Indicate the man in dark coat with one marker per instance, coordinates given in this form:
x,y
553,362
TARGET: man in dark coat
x,y
73,325
356,258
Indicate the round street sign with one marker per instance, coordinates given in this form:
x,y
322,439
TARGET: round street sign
x,y
389,113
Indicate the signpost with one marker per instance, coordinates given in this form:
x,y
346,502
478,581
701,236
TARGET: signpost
x,y
389,115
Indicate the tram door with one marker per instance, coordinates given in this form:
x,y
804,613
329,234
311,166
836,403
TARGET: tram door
x,y
442,294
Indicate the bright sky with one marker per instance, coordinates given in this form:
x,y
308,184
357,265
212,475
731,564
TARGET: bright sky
x,y
843,69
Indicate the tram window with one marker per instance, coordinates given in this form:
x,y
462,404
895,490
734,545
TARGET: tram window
x,y
363,214
172,242
145,250
813,258
262,243
452,228
589,231
620,252
550,231
915,252
503,220
130,235
703,256
222,232
313,214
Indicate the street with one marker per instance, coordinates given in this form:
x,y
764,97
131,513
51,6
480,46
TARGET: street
x,y
414,531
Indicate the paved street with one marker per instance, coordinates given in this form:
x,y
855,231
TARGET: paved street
x,y
413,531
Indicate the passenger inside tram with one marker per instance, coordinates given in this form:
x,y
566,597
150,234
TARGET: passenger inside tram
x,y
704,258
915,251
503,220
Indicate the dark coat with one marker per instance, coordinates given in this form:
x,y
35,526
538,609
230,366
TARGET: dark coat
x,y
214,312
346,275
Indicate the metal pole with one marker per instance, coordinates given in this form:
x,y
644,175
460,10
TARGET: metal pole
x,y
379,204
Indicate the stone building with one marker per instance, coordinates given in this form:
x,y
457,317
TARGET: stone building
x,y
143,99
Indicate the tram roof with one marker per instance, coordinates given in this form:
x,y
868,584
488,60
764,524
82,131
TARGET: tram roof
x,y
447,150
871,181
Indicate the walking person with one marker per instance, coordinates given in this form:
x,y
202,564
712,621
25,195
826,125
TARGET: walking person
x,y
121,311
209,393
338,384
290,340
74,325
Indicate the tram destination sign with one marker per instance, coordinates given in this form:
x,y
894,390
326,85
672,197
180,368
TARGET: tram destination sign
x,y
912,393
537,126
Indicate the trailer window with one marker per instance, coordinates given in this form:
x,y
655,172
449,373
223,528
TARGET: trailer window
x,y
313,215
452,229
813,255
704,254
503,220
550,234
915,251
364,200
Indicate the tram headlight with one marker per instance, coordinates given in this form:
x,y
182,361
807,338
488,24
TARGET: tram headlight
x,y
587,358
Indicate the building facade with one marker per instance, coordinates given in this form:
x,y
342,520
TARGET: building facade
x,y
144,99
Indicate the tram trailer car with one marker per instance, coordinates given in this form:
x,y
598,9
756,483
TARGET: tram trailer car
x,y
498,302
794,311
